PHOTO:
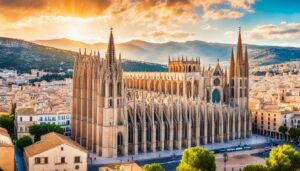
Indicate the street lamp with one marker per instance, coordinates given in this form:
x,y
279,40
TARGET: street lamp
x,y
225,155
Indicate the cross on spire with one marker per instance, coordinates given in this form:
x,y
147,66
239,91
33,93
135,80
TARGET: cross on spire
x,y
110,55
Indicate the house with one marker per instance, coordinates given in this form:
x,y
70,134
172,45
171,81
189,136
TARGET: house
x,y
7,158
55,152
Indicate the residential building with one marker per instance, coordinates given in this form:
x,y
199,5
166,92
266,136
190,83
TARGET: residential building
x,y
26,117
55,152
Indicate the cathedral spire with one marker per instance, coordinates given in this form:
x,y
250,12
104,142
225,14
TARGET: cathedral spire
x,y
239,49
246,62
110,55
231,66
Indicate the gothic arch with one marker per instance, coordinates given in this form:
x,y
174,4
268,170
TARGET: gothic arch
x,y
216,96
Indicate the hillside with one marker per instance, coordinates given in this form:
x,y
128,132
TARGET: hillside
x,y
22,56
159,52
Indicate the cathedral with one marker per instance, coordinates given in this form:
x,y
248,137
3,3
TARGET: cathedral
x,y
118,113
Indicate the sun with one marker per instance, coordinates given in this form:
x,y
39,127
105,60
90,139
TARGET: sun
x,y
75,33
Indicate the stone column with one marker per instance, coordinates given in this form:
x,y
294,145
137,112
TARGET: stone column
x,y
245,124
228,124
179,112
233,123
221,118
212,124
239,123
197,113
205,123
144,140
171,127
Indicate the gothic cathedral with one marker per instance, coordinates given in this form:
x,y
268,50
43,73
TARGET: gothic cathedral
x,y
116,113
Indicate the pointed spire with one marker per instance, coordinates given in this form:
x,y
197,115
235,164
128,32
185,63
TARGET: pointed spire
x,y
246,62
231,65
239,49
110,55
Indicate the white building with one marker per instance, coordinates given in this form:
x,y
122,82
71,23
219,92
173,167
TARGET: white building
x,y
55,152
61,119
26,117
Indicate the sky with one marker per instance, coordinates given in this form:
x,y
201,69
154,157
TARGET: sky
x,y
265,22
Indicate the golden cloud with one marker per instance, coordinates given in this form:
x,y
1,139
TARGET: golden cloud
x,y
156,12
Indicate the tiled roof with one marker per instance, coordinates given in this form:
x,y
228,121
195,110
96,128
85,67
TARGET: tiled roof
x,y
49,141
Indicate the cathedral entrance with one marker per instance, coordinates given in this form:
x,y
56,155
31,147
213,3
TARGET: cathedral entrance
x,y
216,97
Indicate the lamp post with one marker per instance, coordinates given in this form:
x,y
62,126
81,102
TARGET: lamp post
x,y
225,155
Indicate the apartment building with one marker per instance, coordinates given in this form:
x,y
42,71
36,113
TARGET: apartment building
x,y
26,117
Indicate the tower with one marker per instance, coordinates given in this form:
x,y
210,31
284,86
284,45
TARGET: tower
x,y
239,75
99,119
112,94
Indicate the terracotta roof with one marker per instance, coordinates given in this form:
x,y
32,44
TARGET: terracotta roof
x,y
26,111
5,143
49,141
3,132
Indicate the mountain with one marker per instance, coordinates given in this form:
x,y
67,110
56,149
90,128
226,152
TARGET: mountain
x,y
159,52
22,56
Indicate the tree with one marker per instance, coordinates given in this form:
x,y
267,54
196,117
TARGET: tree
x,y
294,133
39,130
197,159
257,167
153,167
283,158
7,122
283,129
23,142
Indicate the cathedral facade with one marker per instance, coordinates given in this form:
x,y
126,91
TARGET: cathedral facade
x,y
118,113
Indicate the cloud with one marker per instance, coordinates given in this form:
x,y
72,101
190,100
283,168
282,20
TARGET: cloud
x,y
158,13
162,35
283,30
221,14
229,33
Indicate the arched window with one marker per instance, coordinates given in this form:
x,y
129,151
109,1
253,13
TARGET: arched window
x,y
119,89
190,69
216,97
110,90
120,139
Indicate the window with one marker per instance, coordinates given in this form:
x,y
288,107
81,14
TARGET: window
x,y
62,148
30,118
77,159
46,160
21,119
110,103
76,167
37,160
62,160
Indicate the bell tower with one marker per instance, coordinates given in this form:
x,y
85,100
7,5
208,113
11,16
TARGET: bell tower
x,y
112,95
239,75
